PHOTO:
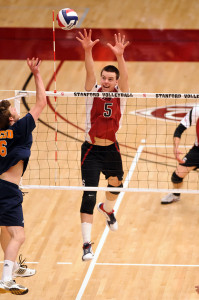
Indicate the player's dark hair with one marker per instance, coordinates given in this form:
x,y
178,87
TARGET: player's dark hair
x,y
4,114
111,68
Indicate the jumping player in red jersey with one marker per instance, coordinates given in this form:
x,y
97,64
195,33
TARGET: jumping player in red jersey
x,y
15,144
190,161
100,152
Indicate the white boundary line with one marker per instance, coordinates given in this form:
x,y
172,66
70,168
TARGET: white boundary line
x,y
106,231
147,265
27,262
64,263
120,264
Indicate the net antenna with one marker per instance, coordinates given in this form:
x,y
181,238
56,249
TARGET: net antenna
x,y
55,98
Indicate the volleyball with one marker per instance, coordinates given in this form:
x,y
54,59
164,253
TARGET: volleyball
x,y
67,18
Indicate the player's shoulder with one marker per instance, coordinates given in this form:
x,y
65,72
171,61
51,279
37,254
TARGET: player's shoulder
x,y
27,117
97,87
23,123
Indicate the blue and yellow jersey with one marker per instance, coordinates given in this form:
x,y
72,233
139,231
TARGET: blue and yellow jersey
x,y
15,143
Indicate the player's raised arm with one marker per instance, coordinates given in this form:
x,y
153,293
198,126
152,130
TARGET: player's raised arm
x,y
36,110
88,44
118,50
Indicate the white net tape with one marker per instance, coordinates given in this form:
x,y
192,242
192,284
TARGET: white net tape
x,y
115,95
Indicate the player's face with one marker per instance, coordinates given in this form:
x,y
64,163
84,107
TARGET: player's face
x,y
14,113
108,81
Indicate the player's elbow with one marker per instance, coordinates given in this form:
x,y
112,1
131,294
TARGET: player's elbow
x,y
44,102
41,102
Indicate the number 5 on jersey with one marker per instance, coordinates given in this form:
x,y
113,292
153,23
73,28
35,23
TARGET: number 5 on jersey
x,y
107,110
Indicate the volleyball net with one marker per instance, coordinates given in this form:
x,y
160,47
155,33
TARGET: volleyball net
x,y
145,139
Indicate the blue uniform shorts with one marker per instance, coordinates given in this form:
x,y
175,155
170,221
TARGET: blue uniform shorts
x,y
11,199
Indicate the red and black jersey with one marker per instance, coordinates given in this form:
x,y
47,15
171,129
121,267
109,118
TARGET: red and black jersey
x,y
103,116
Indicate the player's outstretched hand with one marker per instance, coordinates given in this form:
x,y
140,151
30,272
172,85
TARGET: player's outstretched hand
x,y
86,40
120,44
34,64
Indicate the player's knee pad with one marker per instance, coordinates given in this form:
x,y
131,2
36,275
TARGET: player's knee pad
x,y
115,193
88,202
175,178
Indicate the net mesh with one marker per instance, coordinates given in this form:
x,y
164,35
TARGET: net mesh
x,y
149,120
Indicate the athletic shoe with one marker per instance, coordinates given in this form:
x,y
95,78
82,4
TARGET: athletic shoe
x,y
12,287
170,198
87,251
110,217
23,270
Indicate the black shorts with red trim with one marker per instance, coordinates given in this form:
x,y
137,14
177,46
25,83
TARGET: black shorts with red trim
x,y
11,199
192,158
96,159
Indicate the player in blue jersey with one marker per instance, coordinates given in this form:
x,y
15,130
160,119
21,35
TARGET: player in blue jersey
x,y
15,144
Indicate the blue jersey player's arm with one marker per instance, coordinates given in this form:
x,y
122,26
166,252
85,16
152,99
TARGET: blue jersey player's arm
x,y
36,110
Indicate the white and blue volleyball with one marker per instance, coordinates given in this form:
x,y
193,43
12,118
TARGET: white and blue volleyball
x,y
67,18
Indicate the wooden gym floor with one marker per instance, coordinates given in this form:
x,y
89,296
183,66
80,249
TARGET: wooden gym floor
x,y
154,254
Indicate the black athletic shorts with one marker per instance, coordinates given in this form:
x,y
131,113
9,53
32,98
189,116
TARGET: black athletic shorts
x,y
96,159
192,158
11,199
